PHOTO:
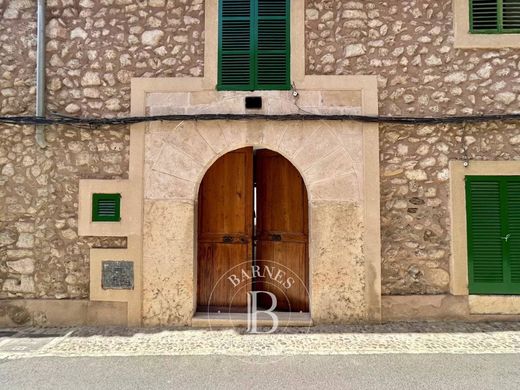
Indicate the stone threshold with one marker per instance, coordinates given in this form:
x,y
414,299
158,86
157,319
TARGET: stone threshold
x,y
230,320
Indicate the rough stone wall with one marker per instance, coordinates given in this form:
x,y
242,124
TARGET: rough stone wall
x,y
415,197
409,46
41,255
94,48
17,57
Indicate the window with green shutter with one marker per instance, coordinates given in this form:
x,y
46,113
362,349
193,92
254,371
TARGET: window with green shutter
x,y
106,207
493,230
254,45
494,16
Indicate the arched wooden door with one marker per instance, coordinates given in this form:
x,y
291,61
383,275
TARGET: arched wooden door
x,y
282,229
225,231
226,238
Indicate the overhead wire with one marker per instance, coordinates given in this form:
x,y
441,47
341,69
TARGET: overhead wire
x,y
60,119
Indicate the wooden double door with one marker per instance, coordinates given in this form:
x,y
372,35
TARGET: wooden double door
x,y
252,233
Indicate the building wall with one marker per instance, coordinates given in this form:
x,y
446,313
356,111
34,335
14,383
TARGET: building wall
x,y
415,210
94,49
409,46
41,255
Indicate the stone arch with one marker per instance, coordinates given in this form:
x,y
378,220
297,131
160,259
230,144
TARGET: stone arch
x,y
329,157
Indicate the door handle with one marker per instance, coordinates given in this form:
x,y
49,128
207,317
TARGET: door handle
x,y
227,239
276,237
506,238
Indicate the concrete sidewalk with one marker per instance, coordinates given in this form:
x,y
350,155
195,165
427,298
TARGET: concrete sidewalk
x,y
396,338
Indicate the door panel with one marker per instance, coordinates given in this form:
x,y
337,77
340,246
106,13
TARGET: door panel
x,y
282,231
225,224
493,232
214,291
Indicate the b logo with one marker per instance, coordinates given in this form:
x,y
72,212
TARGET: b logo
x,y
253,312
266,289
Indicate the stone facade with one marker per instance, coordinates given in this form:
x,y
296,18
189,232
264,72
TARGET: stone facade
x,y
94,48
41,255
409,46
415,216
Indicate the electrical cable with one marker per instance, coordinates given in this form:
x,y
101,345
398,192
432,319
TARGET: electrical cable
x,y
60,119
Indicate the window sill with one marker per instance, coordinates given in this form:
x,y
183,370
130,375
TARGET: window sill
x,y
469,40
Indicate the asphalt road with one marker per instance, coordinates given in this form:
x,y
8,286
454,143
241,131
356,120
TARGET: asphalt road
x,y
439,371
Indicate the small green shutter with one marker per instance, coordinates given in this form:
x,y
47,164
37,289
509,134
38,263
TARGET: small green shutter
x,y
106,207
254,45
494,16
493,229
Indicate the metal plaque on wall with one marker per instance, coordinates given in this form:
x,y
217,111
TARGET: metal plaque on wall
x,y
117,275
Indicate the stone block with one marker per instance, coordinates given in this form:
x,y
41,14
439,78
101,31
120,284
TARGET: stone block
x,y
338,271
341,98
162,186
176,163
169,266
337,163
170,99
494,304
186,137
340,188
22,266
315,146
212,133
203,97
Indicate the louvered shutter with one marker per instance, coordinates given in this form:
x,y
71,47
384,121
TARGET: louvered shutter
x,y
253,45
235,45
493,227
511,15
513,228
273,45
494,16
484,15
106,207
486,257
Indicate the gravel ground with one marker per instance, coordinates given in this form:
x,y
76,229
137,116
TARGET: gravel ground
x,y
395,338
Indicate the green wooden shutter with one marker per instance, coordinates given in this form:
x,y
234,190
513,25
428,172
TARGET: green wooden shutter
x,y
273,51
485,252
235,45
254,45
106,207
513,219
493,230
494,16
511,16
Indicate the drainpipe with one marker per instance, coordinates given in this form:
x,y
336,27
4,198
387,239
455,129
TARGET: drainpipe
x,y
40,73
